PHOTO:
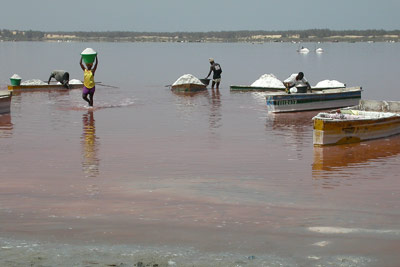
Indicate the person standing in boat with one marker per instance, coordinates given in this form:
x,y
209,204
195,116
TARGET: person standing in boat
x,y
60,76
88,81
216,69
299,81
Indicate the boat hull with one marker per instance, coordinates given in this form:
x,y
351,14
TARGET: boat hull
x,y
42,87
189,87
325,99
344,131
5,102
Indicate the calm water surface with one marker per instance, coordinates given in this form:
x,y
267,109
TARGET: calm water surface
x,y
212,170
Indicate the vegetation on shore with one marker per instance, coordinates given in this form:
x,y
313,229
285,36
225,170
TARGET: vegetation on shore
x,y
311,35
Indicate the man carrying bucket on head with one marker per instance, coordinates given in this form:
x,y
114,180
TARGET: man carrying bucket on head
x,y
88,80
216,69
60,76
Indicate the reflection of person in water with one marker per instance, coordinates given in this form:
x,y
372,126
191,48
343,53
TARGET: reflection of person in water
x,y
215,115
90,161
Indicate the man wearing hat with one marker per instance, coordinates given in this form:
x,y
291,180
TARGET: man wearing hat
x,y
216,70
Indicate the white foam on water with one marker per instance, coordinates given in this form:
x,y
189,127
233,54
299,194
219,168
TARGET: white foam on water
x,y
342,230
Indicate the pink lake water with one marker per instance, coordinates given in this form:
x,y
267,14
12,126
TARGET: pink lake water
x,y
212,171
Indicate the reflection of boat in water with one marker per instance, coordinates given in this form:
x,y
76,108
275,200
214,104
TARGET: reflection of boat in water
x,y
90,161
369,120
332,158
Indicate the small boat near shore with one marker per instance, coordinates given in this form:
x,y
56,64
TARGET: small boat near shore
x,y
323,99
370,119
42,87
188,87
5,102
189,83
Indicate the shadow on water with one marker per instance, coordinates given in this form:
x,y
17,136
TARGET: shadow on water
x,y
90,146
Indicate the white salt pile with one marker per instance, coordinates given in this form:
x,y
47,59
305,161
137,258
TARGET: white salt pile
x,y
75,81
16,76
268,80
187,79
33,82
88,51
329,84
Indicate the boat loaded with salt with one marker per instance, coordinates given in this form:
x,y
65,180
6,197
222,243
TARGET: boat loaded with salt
x,y
189,83
268,82
37,85
370,119
324,99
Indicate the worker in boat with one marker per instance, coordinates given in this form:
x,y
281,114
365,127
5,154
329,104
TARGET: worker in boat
x,y
60,76
299,81
216,69
88,81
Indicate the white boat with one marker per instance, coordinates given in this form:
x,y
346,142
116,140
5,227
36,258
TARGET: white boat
x,y
322,99
303,50
371,119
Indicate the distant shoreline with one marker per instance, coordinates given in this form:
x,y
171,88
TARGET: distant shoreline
x,y
303,36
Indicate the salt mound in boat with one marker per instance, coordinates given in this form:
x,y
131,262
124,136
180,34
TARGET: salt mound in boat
x,y
268,80
329,84
33,82
75,81
187,79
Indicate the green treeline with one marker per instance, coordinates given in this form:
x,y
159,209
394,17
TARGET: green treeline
x,y
221,36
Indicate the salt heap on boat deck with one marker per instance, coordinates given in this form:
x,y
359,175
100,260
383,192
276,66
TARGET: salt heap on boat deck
x,y
188,82
329,84
187,79
268,81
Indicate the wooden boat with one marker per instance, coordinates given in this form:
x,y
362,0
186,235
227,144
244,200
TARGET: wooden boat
x,y
249,88
42,87
369,120
324,99
5,101
188,87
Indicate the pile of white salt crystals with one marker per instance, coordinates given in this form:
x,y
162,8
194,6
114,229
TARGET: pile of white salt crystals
x,y
33,82
187,79
16,77
268,80
329,84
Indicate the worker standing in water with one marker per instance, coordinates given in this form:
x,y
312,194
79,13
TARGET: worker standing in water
x,y
216,69
89,85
